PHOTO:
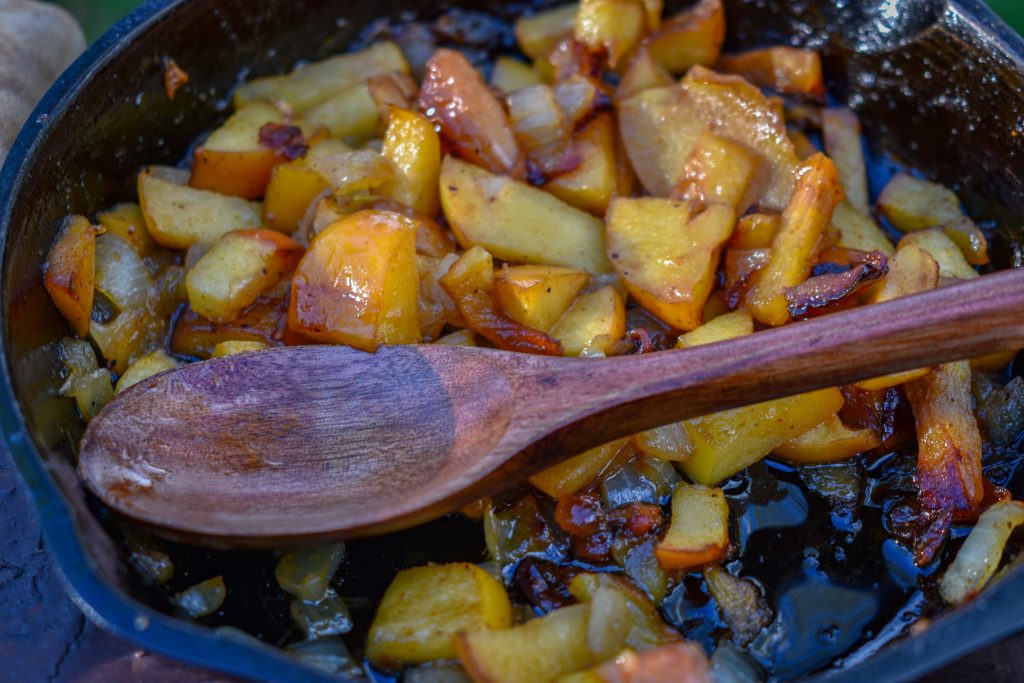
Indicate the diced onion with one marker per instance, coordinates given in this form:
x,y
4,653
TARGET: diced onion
x,y
981,553
121,273
326,654
306,573
203,598
327,616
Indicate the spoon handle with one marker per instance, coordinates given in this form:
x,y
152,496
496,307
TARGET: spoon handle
x,y
620,396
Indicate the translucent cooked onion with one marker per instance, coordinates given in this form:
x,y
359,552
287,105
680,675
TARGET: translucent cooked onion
x,y
350,172
87,383
121,273
981,553
541,127
327,616
306,573
328,655
203,598
731,665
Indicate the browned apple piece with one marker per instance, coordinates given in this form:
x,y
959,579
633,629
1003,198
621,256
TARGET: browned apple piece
x,y
788,70
470,284
455,97
69,275
239,268
668,259
694,36
614,27
699,531
795,247
358,284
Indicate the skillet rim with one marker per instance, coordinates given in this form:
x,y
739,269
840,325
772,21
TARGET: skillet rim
x,y
989,618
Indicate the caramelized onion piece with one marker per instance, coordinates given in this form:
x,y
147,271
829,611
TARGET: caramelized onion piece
x,y
831,291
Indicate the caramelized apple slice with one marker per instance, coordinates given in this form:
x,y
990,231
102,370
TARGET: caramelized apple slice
x,y
455,97
233,161
787,70
69,275
425,607
517,222
795,247
412,145
179,216
358,284
537,296
470,284
694,36
667,259
593,325
699,531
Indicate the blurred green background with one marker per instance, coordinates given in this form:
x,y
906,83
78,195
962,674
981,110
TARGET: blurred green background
x,y
97,15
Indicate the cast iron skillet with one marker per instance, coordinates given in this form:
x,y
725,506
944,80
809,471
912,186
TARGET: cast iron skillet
x,y
937,82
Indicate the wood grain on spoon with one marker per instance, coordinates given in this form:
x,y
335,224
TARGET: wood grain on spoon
x,y
311,443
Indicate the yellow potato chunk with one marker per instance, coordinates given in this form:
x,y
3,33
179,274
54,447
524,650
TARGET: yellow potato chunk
x,y
538,651
643,73
152,363
913,204
841,131
694,36
232,161
593,325
179,216
615,26
858,230
537,296
591,185
936,242
538,34
413,146
667,259
795,247
718,172
359,284
312,84
831,441
425,607
728,326
698,533
293,186
510,75
350,115
755,231
127,222
732,440
519,223
240,267
69,275
578,472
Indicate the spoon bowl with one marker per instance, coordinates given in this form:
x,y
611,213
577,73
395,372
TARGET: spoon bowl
x,y
312,443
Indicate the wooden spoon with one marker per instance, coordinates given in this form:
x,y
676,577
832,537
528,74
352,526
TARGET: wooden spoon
x,y
312,443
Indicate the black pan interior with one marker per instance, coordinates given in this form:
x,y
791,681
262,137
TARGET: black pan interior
x,y
937,88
